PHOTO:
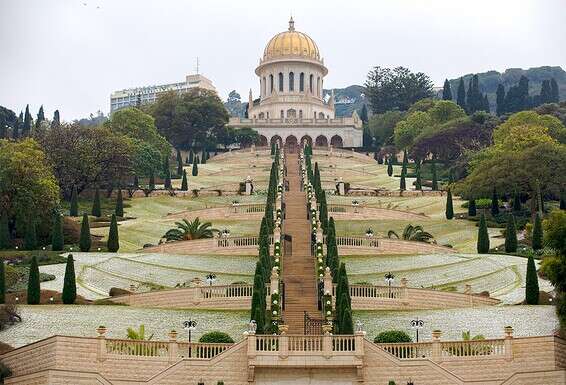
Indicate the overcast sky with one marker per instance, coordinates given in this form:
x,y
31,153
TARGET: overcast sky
x,y
71,54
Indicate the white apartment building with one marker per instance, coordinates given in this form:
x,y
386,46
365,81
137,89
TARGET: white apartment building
x,y
142,95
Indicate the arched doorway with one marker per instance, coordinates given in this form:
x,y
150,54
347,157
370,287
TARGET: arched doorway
x,y
306,140
336,141
262,141
276,139
291,143
321,141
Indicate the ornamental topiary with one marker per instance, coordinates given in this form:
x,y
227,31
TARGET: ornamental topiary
x,y
34,292
216,337
113,239
84,240
511,235
69,283
119,204
449,205
472,210
392,336
96,210
537,242
531,285
74,209
483,236
57,242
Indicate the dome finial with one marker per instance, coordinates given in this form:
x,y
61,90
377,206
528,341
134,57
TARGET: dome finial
x,y
291,24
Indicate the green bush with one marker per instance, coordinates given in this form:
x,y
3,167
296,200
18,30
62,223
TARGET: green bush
x,y
392,336
216,337
4,372
481,203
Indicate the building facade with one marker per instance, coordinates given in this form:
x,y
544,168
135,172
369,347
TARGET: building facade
x,y
291,109
132,97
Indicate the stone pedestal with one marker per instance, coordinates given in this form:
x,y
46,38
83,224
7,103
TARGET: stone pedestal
x,y
341,188
249,187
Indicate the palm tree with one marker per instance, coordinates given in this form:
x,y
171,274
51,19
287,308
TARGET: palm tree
x,y
413,233
189,230
133,334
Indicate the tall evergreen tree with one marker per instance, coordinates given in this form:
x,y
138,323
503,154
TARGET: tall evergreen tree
x,y
184,182
545,92
96,207
113,243
390,166
511,235
195,169
500,100
166,167
494,203
537,242
40,117
485,105
56,122
418,180
57,241
119,211
26,130
434,177
30,236
517,206
258,299
167,184
554,92
191,156
74,207
446,91
204,158
4,231
483,236
405,163
69,283
34,290
84,239
2,283
461,94
472,210
179,163
531,284
402,182
449,205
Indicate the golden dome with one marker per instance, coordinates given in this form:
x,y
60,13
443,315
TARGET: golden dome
x,y
291,43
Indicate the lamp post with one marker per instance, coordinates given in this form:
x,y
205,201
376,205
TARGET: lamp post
x,y
190,325
417,324
389,280
210,278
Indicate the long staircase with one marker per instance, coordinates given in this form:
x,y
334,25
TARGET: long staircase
x,y
298,268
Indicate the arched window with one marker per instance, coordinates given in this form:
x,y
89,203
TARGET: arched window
x,y
302,82
314,113
321,115
291,113
282,114
271,83
291,82
264,86
318,86
267,114
311,80
280,81
261,115
300,114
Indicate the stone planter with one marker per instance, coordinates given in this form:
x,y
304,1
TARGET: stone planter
x,y
283,329
101,331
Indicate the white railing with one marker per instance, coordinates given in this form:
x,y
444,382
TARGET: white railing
x,y
252,240
305,343
203,351
137,348
226,291
407,351
473,348
267,343
343,343
356,241
247,208
375,291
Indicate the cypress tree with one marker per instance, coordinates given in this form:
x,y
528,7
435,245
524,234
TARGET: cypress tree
x,y
195,168
446,91
346,325
402,183
554,92
449,205
537,242
179,163
69,283
56,122
113,243
96,210
166,168
30,237
203,160
167,184
500,100
84,240
119,204
258,299
323,214
34,291
531,284
191,156
494,203
517,207
405,163
418,181
4,231
57,241
461,94
197,159
483,236
545,92
390,166
472,210
434,177
41,116
74,209
2,283
26,131
511,235
184,182
152,181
